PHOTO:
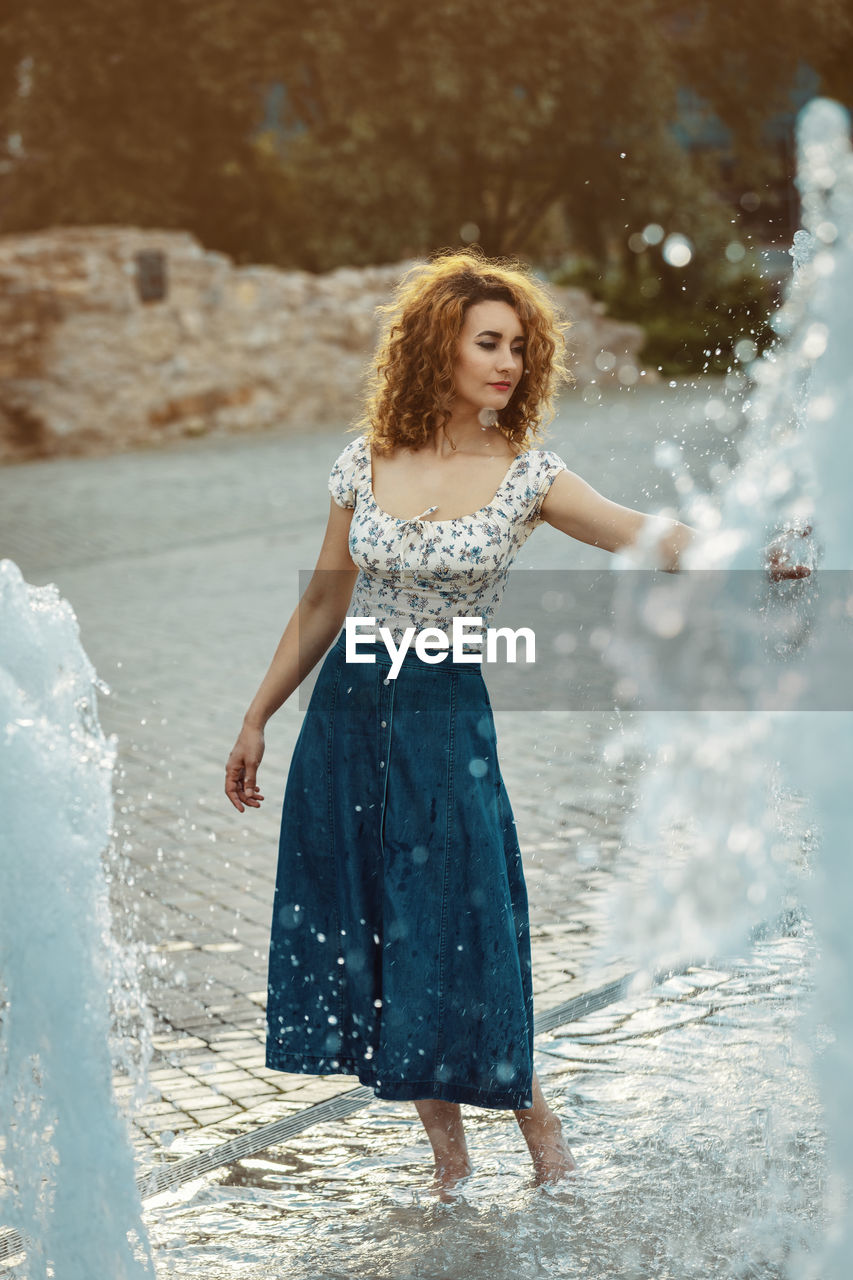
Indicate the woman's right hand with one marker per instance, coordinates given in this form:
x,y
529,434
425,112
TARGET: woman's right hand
x,y
241,771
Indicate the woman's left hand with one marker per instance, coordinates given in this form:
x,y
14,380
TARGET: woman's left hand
x,y
779,555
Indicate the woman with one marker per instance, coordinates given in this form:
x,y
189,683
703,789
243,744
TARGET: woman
x,y
400,947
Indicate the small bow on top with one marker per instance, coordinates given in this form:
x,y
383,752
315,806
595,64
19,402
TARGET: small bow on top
x,y
413,520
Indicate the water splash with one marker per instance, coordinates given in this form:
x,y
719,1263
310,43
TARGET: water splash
x,y
66,1170
716,851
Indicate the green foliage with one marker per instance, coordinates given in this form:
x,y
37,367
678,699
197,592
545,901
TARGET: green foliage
x,y
117,123
401,123
692,319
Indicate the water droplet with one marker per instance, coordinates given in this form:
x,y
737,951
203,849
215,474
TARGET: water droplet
x,y
815,341
677,250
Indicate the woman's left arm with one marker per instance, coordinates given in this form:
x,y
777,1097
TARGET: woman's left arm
x,y
575,508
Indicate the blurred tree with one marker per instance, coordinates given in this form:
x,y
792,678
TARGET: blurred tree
x,y
107,119
744,63
828,46
357,131
411,126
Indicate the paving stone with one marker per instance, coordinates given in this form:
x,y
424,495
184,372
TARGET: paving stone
x,y
171,1122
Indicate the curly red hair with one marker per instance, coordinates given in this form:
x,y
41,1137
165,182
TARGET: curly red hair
x,y
410,389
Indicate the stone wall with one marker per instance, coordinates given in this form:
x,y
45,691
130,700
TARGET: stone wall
x,y
88,365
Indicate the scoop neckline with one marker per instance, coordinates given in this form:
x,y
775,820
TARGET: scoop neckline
x,y
453,519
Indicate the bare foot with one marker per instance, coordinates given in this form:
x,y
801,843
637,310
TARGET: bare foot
x,y
448,1174
552,1156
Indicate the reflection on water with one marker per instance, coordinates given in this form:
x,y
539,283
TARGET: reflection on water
x,y
699,1155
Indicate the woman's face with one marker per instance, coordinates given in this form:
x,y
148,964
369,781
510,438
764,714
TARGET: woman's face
x,y
490,356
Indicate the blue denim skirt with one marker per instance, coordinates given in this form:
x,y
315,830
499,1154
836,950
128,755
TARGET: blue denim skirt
x,y
400,940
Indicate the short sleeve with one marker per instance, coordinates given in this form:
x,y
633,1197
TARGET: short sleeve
x,y
343,478
547,467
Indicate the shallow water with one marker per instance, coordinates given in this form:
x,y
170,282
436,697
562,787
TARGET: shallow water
x,y
690,1113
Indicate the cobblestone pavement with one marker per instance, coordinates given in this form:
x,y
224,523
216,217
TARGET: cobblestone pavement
x,y
181,564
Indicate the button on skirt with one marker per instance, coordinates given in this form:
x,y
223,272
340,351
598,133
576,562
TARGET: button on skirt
x,y
400,940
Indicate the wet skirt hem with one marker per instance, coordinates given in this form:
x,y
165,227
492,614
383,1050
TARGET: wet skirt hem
x,y
402,1090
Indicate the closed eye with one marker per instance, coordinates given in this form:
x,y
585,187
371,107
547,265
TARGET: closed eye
x,y
490,346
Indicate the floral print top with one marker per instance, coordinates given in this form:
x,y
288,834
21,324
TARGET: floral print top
x,y
420,572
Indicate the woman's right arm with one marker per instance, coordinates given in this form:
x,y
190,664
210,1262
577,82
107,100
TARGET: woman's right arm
x,y
314,624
